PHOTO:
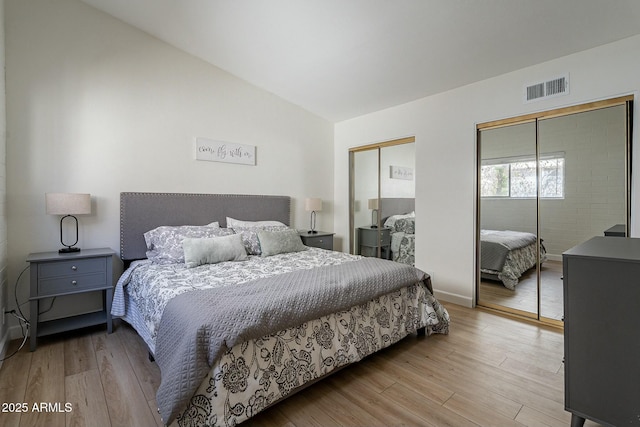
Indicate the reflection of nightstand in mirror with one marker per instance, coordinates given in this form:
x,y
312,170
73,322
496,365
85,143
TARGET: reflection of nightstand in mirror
x,y
373,238
321,239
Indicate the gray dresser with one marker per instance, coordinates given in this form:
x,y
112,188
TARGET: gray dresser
x,y
602,331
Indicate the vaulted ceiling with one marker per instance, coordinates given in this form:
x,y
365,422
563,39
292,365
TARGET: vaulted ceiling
x,y
343,58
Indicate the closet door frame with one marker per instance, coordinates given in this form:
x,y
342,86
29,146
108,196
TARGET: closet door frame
x,y
352,152
537,117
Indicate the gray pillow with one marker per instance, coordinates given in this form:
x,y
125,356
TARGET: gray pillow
x,y
213,250
280,242
250,236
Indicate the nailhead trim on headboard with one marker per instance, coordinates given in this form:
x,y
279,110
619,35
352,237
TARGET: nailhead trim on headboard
x,y
141,212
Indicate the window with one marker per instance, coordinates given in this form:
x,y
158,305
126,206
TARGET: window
x,y
516,177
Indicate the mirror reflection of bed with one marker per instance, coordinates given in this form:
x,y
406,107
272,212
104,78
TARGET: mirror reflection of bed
x,y
562,174
508,272
398,215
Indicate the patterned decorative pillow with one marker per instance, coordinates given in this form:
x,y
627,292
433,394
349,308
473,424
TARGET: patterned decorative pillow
x,y
164,244
406,225
391,221
250,236
280,242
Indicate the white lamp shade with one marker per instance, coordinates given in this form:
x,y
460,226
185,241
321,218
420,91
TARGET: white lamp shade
x,y
313,204
373,203
68,203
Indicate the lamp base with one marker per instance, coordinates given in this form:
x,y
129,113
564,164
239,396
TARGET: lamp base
x,y
312,232
374,226
69,250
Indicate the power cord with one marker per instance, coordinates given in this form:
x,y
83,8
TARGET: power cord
x,y
24,330
15,294
22,320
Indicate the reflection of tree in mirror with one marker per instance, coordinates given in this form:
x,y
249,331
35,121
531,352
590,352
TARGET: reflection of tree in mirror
x,y
517,179
552,177
495,180
523,179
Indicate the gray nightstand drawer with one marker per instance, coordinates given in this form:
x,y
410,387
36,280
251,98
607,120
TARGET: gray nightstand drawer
x,y
323,242
71,268
321,239
71,284
375,237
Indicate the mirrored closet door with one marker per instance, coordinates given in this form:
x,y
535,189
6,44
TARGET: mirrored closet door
x,y
382,189
546,183
508,212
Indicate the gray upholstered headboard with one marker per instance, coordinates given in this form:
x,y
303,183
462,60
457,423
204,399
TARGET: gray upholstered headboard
x,y
141,212
396,206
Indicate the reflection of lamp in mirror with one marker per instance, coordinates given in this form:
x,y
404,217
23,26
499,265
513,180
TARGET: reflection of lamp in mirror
x,y
313,205
68,205
373,205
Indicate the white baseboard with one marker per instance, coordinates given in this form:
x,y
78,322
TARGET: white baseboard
x,y
15,332
454,298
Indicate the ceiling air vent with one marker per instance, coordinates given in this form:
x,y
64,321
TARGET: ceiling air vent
x,y
549,89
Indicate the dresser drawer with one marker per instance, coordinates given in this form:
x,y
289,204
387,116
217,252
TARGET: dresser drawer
x,y
72,283
71,268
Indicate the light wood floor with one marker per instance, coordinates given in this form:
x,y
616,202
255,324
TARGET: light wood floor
x,y
525,296
489,371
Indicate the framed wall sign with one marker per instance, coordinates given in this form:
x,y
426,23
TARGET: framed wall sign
x,y
228,152
401,172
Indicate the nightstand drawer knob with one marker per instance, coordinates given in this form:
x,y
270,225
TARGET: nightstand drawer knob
x,y
74,282
74,268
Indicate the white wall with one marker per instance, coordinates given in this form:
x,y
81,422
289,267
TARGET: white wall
x,y
95,105
403,155
444,127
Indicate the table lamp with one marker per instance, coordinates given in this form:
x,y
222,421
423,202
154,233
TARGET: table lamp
x,y
373,205
68,205
313,205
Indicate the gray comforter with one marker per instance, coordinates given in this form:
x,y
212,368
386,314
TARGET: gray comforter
x,y
197,327
495,246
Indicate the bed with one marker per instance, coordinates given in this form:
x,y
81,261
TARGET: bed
x,y
398,215
214,375
505,255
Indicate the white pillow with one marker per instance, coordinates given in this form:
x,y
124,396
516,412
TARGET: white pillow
x,y
213,250
236,223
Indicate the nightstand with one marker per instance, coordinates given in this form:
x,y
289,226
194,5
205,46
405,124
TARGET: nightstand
x,y
59,275
373,238
321,239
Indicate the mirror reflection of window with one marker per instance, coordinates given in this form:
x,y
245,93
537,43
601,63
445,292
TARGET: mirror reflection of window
x,y
563,177
516,177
